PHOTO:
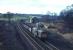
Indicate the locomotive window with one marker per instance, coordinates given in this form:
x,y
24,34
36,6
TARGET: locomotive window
x,y
51,27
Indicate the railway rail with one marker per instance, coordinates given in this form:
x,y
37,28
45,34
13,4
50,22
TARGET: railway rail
x,y
46,44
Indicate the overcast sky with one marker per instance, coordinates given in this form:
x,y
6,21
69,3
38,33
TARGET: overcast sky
x,y
33,6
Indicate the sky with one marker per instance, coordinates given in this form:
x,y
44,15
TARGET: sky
x,y
33,6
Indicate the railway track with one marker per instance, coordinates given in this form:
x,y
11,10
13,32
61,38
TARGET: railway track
x,y
46,44
32,42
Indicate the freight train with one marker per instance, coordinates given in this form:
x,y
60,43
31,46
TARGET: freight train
x,y
38,30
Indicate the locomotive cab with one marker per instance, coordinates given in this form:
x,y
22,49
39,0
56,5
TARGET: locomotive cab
x,y
42,34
